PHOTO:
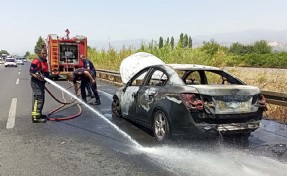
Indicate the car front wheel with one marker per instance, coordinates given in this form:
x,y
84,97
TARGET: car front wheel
x,y
161,128
116,108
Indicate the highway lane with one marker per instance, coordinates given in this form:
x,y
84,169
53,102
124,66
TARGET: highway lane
x,y
88,145
76,147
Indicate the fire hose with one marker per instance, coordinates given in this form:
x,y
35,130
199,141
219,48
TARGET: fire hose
x,y
63,104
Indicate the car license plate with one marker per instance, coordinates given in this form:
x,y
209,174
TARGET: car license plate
x,y
232,106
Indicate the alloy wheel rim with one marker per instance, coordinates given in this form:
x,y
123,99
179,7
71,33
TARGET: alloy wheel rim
x,y
160,126
116,107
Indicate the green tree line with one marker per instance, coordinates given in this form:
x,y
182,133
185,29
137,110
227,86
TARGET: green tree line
x,y
258,54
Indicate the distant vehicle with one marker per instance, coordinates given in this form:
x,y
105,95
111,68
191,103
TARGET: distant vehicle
x,y
10,62
1,61
24,59
19,61
192,100
3,56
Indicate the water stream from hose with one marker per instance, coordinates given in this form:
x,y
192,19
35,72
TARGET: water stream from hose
x,y
94,111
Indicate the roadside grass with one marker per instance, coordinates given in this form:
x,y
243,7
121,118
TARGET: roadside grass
x,y
266,79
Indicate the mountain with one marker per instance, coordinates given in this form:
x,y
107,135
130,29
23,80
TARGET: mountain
x,y
249,36
276,39
117,45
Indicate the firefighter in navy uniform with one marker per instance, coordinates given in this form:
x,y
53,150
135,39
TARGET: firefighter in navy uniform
x,y
39,70
90,66
85,76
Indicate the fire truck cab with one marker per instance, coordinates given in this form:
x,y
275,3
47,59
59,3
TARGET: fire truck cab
x,y
64,54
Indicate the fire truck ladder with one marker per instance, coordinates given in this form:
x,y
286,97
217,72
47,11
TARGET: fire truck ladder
x,y
54,56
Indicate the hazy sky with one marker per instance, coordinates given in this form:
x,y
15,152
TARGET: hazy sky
x,y
23,21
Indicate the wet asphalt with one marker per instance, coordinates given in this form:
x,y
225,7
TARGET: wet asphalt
x,y
97,144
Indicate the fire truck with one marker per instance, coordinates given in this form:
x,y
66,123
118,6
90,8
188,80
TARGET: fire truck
x,y
64,53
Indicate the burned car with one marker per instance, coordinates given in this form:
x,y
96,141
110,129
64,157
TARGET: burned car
x,y
188,99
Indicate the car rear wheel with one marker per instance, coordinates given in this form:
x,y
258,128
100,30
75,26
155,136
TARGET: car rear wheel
x,y
239,136
161,128
116,108
243,136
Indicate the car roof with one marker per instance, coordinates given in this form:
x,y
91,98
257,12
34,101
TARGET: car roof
x,y
191,67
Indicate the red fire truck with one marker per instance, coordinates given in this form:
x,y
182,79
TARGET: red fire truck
x,y
64,53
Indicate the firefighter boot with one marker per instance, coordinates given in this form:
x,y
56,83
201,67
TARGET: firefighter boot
x,y
44,117
89,93
37,118
98,102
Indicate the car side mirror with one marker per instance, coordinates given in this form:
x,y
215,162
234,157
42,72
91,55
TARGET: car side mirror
x,y
125,88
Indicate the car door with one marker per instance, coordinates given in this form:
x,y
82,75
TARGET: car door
x,y
130,93
147,93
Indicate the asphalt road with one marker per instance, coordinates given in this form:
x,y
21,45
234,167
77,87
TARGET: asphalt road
x,y
97,144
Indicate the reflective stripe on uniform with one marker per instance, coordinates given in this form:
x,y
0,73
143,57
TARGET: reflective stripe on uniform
x,y
35,106
34,112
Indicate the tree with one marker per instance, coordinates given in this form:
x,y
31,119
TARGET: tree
x,y
189,42
259,47
180,42
185,41
172,42
27,54
39,45
262,47
237,48
3,52
210,47
160,43
167,41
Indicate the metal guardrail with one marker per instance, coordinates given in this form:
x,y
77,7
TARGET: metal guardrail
x,y
276,98
110,76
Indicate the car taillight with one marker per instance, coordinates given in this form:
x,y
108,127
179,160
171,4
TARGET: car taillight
x,y
262,102
192,101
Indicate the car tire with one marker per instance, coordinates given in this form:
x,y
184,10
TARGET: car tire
x,y
243,136
116,108
239,136
161,129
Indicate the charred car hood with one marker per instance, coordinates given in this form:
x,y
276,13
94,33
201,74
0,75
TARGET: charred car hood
x,y
217,90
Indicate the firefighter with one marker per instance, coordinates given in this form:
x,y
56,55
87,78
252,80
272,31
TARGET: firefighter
x,y
84,75
90,66
39,70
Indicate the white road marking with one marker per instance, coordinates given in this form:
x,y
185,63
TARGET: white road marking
x,y
12,114
17,81
19,69
19,73
107,94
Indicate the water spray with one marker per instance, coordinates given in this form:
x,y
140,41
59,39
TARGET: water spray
x,y
93,110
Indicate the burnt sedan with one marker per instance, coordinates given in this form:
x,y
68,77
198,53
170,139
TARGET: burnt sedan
x,y
192,100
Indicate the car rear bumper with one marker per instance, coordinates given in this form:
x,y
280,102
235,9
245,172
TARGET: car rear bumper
x,y
10,65
205,129
198,124
230,127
